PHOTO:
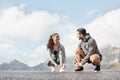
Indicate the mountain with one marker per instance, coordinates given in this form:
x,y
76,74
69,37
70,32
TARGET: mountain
x,y
111,61
41,66
14,65
111,55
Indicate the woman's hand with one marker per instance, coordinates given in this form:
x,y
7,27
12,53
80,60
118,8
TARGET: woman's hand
x,y
63,66
56,65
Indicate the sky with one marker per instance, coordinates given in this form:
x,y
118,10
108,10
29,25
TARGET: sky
x,y
25,26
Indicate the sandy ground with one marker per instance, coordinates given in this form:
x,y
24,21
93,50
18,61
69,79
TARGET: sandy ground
x,y
38,75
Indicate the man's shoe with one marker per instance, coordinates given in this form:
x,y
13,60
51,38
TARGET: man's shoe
x,y
79,69
97,68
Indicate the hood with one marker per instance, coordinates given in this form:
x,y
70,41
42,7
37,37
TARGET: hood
x,y
87,37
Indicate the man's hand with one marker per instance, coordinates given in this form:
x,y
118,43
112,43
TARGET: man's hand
x,y
78,65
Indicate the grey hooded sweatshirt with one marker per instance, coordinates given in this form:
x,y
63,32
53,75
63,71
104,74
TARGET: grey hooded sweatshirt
x,y
61,57
89,47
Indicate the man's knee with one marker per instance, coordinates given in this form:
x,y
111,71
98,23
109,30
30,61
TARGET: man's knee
x,y
78,51
95,58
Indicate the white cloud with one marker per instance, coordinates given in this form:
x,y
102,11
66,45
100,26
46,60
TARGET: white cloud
x,y
71,43
39,55
7,52
15,23
33,27
92,14
106,29
36,27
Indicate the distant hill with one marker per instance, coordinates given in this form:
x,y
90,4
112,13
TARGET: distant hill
x,y
111,55
111,61
41,66
14,65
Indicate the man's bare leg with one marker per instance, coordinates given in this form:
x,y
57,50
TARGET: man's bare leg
x,y
95,59
79,55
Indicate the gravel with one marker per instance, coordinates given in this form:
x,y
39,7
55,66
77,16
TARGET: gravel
x,y
38,75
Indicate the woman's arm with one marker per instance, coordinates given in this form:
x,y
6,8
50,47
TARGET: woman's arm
x,y
62,56
51,59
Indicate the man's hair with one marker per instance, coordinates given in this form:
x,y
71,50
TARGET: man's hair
x,y
82,31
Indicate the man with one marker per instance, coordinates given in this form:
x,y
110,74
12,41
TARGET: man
x,y
87,51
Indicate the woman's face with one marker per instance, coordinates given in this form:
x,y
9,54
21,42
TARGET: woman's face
x,y
56,39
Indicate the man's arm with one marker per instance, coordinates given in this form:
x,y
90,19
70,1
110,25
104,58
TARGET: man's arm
x,y
91,49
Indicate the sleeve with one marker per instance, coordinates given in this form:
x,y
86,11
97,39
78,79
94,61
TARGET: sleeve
x,y
79,46
64,55
91,50
51,59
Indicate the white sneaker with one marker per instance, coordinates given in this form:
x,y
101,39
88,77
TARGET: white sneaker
x,y
61,70
53,69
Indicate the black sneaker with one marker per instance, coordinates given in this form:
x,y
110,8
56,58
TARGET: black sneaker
x,y
97,68
79,69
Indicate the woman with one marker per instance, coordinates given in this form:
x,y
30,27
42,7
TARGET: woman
x,y
56,53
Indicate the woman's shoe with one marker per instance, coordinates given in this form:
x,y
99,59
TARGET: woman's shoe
x,y
61,70
53,69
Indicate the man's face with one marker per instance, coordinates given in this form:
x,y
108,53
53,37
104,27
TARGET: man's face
x,y
79,35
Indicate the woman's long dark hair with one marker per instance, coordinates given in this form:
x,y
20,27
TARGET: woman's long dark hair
x,y
50,41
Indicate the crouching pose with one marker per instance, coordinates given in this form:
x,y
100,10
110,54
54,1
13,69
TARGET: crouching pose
x,y
56,53
87,51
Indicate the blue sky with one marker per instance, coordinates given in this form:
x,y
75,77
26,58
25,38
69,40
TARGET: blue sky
x,y
25,26
76,10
